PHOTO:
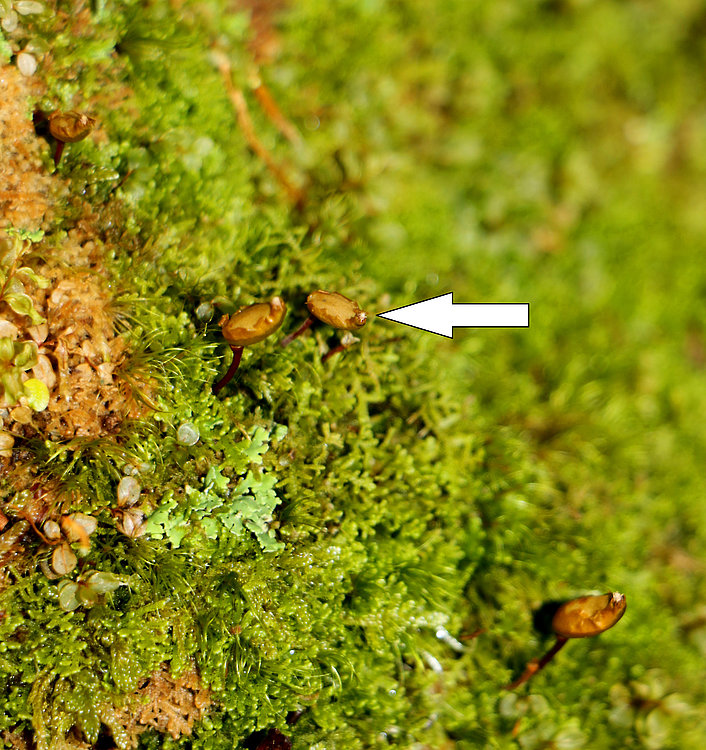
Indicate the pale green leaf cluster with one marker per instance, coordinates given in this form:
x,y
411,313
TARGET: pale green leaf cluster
x,y
223,506
14,277
15,359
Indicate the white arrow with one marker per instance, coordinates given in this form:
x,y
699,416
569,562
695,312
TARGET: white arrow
x,y
440,315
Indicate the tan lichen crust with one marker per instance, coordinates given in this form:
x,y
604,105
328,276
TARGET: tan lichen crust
x,y
336,310
166,703
253,323
26,188
78,346
589,615
84,350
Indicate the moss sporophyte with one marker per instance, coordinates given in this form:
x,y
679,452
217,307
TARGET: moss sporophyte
x,y
250,325
335,310
130,519
578,618
253,323
65,127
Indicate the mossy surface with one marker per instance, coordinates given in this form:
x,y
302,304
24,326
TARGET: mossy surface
x,y
338,527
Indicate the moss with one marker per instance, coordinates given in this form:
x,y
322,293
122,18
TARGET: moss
x,y
338,531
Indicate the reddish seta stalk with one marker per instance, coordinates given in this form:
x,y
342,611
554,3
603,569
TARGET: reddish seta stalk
x,y
58,151
335,350
237,356
536,665
303,327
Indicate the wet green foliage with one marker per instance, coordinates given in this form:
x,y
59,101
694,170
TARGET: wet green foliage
x,y
216,509
334,523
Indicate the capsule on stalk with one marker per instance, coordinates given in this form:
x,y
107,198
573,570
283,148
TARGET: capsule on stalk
x,y
583,617
333,309
250,325
588,615
69,127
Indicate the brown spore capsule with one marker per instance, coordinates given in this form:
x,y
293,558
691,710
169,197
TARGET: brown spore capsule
x,y
66,127
579,618
336,310
588,615
248,326
253,323
70,127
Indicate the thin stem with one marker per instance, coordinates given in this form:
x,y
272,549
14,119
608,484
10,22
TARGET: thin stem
x,y
237,356
245,123
335,350
303,327
272,110
536,665
58,151
38,532
347,340
471,636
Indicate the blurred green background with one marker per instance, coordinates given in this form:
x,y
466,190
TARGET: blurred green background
x,y
552,152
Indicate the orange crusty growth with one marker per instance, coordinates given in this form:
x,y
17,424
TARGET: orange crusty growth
x,y
588,615
336,310
253,323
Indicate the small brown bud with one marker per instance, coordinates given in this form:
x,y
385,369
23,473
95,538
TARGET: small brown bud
x,y
128,492
63,559
588,615
336,310
52,530
70,127
253,323
132,523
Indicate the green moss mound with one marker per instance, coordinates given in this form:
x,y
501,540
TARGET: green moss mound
x,y
338,527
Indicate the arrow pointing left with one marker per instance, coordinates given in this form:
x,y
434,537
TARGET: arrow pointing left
x,y
441,315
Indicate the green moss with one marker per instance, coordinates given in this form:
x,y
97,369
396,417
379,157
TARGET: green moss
x,y
333,521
